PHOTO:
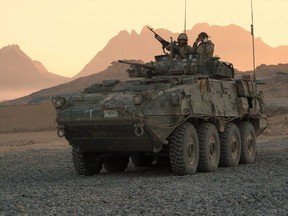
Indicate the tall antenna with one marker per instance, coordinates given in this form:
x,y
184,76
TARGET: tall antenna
x,y
185,18
253,47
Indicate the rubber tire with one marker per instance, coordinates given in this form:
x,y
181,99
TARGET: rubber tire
x,y
230,142
184,150
209,148
141,160
86,163
116,163
248,142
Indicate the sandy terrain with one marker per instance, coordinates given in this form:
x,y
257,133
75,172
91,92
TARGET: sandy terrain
x,y
27,117
22,141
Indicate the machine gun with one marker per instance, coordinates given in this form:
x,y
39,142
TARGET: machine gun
x,y
159,38
165,43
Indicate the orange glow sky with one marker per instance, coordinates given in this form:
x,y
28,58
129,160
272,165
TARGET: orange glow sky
x,y
66,34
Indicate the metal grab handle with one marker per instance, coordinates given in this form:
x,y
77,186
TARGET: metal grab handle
x,y
139,131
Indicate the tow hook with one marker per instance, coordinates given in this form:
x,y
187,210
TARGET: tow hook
x,y
60,132
139,129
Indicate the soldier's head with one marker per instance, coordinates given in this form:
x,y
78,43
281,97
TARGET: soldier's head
x,y
182,39
203,37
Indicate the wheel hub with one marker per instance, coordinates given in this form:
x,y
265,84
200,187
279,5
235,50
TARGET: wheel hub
x,y
234,148
212,148
190,150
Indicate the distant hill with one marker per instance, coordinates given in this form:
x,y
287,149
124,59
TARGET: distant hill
x,y
114,71
21,75
275,76
232,44
276,80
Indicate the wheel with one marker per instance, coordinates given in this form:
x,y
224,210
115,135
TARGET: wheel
x,y
86,163
141,160
230,143
248,142
209,148
184,150
116,163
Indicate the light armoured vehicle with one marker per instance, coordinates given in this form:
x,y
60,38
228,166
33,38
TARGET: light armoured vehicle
x,y
196,114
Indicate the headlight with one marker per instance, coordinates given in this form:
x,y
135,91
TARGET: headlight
x,y
138,99
59,102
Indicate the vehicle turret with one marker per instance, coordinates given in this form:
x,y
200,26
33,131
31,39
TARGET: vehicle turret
x,y
166,66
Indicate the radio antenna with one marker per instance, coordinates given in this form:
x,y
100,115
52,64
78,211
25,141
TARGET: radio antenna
x,y
185,18
253,47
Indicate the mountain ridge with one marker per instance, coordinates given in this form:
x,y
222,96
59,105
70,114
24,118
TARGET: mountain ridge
x,y
232,44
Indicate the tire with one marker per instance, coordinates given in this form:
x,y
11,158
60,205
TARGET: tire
x,y
248,142
230,143
209,148
142,160
116,163
184,150
86,163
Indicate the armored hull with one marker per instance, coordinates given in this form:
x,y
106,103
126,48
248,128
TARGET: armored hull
x,y
196,115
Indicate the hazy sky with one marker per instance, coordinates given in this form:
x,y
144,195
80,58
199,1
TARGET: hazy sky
x,y
66,34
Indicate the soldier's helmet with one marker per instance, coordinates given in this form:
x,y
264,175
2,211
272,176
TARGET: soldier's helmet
x,y
182,36
203,35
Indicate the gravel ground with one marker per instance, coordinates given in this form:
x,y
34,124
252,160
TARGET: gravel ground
x,y
43,182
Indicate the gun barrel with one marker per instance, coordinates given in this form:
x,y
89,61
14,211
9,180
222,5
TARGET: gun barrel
x,y
147,65
151,29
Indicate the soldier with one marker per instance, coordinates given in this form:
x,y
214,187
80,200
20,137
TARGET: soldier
x,y
180,49
203,46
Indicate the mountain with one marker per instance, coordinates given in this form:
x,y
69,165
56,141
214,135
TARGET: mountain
x,y
114,71
21,75
232,44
